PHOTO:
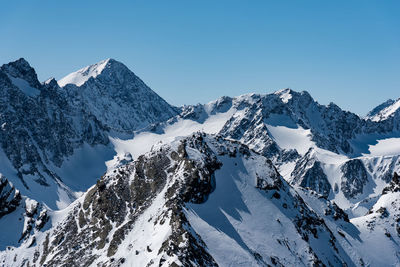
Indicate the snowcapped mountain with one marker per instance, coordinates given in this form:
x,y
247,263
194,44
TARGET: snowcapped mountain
x,y
389,109
81,76
52,137
39,129
336,153
115,96
179,191
98,170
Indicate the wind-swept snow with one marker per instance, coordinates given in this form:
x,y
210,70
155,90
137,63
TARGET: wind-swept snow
x,y
81,76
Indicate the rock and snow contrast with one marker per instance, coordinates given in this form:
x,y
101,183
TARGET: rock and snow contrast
x,y
96,169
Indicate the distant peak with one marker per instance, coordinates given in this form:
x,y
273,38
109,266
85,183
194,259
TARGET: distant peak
x,y
80,76
22,70
384,110
19,65
22,62
380,107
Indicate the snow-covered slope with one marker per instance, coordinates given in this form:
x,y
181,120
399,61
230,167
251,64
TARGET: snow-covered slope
x,y
20,217
385,110
55,141
115,96
201,201
39,132
285,126
277,167
380,227
81,76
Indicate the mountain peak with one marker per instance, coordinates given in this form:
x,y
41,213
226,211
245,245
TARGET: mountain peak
x,y
288,94
80,76
384,110
22,70
21,62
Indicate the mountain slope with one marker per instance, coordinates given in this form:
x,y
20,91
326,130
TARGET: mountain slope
x,y
384,111
51,136
319,147
170,205
115,96
38,131
380,227
314,180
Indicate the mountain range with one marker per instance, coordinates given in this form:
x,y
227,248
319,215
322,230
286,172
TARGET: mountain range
x,y
96,169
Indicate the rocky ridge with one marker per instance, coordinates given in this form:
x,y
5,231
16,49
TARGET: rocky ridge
x,y
43,125
175,190
155,190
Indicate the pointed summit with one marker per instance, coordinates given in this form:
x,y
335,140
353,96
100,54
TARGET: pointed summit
x,y
21,69
81,76
116,96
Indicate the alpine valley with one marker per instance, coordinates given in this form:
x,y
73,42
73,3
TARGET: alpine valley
x,y
96,169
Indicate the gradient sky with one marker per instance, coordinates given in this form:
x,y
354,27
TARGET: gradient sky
x,y
346,52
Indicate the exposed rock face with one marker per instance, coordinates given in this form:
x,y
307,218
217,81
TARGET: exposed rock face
x,y
40,128
331,127
117,97
378,109
27,216
42,125
253,116
138,213
381,225
394,185
354,178
160,209
308,173
111,208
388,112
10,198
22,70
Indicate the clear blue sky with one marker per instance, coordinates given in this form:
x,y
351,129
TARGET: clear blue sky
x,y
347,52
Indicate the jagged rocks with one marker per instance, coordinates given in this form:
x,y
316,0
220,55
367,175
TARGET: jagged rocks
x,y
40,129
354,178
116,96
42,124
35,219
45,124
26,216
10,198
308,173
394,185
